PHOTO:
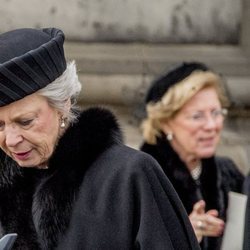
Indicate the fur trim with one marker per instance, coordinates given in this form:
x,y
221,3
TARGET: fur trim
x,y
95,130
211,177
50,194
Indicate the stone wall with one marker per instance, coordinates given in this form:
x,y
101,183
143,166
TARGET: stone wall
x,y
245,24
178,21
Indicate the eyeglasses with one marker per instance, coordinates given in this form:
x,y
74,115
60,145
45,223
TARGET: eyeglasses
x,y
201,117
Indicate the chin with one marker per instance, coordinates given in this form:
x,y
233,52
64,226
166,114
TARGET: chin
x,y
206,154
26,165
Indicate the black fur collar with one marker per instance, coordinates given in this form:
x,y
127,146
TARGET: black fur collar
x,y
181,178
51,193
95,130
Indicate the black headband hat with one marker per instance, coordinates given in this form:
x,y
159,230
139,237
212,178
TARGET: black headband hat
x,y
162,84
30,59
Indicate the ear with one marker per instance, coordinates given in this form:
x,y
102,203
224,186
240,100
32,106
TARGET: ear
x,y
68,105
165,127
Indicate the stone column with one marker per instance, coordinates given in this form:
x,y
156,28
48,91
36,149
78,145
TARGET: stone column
x,y
245,30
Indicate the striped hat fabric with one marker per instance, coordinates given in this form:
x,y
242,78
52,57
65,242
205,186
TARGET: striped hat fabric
x,y
30,59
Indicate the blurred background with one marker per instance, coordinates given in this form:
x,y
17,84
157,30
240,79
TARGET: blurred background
x,y
121,45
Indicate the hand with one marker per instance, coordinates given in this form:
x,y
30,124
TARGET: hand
x,y
205,223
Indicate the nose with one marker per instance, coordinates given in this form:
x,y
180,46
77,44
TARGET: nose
x,y
210,123
12,137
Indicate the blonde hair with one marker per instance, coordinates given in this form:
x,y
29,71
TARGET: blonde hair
x,y
175,98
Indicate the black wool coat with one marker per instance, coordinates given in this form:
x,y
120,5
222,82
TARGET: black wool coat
x,y
96,194
246,190
219,176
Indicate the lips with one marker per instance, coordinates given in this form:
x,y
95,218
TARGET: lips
x,y
22,155
208,141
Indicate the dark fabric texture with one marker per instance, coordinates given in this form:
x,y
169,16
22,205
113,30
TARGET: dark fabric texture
x,y
96,194
219,176
161,85
29,60
246,190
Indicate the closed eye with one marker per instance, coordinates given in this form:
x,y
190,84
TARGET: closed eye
x,y
25,123
2,126
197,116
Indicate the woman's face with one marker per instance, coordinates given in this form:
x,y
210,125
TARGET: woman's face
x,y
29,130
197,126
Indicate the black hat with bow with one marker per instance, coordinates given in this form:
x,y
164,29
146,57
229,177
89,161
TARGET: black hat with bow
x,y
162,84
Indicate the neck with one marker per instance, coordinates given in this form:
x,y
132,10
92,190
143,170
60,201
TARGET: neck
x,y
42,166
39,167
193,164
190,160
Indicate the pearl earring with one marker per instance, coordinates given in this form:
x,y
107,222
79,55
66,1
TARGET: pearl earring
x,y
169,136
63,123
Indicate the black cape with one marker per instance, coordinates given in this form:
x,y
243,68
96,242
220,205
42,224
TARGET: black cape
x,y
219,176
96,194
246,190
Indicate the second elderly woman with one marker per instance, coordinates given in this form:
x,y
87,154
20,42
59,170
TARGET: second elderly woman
x,y
185,115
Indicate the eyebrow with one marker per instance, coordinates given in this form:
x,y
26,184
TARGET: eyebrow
x,y
22,115
200,110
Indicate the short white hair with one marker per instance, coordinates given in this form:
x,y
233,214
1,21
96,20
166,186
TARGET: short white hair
x,y
64,88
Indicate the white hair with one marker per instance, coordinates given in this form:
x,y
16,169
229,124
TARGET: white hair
x,y
63,89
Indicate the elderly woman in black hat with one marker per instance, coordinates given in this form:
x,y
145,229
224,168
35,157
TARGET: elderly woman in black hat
x,y
185,114
66,179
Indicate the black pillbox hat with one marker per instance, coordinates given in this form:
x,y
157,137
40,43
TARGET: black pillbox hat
x,y
30,59
162,84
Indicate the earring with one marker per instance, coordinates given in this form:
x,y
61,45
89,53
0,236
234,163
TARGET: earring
x,y
63,123
169,136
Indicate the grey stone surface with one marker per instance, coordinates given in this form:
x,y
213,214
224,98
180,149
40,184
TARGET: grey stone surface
x,y
120,73
141,58
239,90
214,21
245,24
125,89
113,89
